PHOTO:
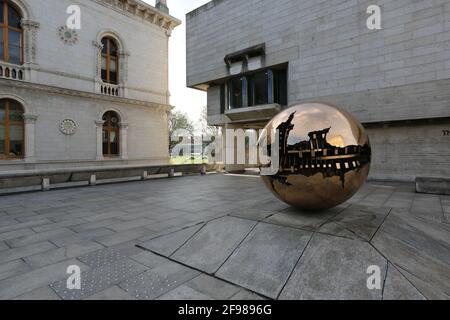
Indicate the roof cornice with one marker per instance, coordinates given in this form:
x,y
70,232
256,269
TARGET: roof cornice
x,y
141,10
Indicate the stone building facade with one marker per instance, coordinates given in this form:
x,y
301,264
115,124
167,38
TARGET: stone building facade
x,y
395,80
92,96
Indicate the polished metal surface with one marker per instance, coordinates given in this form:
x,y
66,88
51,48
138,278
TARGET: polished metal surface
x,y
324,156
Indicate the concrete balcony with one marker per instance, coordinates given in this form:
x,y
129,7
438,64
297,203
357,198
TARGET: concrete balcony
x,y
255,113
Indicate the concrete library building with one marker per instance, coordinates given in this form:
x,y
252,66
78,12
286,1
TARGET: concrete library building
x,y
254,58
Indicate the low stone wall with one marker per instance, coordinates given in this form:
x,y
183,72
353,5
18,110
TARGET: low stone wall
x,y
433,185
32,180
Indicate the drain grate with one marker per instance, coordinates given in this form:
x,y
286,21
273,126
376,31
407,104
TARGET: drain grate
x,y
108,256
99,279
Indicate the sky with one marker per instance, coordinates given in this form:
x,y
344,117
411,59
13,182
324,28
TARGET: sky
x,y
190,101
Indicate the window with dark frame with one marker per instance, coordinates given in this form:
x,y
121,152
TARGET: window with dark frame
x,y
258,88
111,134
12,129
11,34
110,61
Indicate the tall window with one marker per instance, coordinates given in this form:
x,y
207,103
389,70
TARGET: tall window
x,y
110,61
258,88
11,129
11,34
111,134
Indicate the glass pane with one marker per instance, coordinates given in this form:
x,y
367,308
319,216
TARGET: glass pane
x,y
260,81
280,87
105,142
14,55
15,133
112,137
15,148
113,65
112,48
15,111
13,17
114,148
1,12
2,111
236,93
105,48
113,77
104,78
14,38
2,139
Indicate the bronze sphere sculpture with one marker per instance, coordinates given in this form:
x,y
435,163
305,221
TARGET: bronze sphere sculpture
x,y
324,156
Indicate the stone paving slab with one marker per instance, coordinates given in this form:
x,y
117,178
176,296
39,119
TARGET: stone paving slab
x,y
12,268
108,256
264,261
213,287
29,250
123,236
253,214
27,282
57,225
214,243
420,249
413,239
112,293
334,268
46,258
44,293
39,237
3,246
80,248
397,287
149,259
295,218
158,281
357,222
247,295
184,292
168,244
18,226
5,236
81,237
98,279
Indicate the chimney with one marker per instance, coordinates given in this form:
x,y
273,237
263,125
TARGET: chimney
x,y
161,5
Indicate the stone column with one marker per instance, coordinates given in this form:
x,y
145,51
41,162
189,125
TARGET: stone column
x,y
231,148
99,125
30,29
123,73
98,47
124,141
30,133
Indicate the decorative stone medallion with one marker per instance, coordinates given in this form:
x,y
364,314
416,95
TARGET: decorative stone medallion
x,y
68,36
68,127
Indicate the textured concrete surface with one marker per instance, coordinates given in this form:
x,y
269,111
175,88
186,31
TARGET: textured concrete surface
x,y
222,237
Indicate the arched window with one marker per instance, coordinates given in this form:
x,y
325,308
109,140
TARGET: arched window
x,y
11,35
11,129
111,134
110,61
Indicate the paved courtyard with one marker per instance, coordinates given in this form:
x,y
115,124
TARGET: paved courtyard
x,y
222,237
